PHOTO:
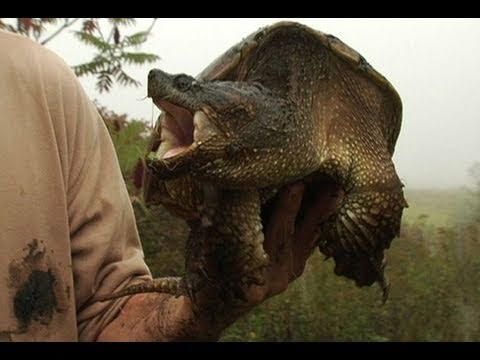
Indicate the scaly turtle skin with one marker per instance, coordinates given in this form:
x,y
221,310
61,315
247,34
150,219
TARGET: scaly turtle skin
x,y
284,103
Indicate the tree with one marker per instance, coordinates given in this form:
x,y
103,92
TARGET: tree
x,y
113,48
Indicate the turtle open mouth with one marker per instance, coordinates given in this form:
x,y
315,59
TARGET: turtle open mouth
x,y
182,129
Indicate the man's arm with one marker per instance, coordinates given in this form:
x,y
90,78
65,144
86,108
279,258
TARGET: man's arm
x,y
106,253
160,317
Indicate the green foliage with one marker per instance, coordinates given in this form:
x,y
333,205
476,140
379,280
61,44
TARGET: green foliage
x,y
136,39
163,236
434,269
436,207
435,294
113,47
130,139
474,172
113,53
434,297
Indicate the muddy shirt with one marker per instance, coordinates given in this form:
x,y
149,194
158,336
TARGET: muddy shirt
x,y
67,229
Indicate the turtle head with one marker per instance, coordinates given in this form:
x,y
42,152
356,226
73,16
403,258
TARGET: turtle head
x,y
208,125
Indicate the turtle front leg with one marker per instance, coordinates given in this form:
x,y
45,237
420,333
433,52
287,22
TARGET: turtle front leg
x,y
227,253
238,246
357,235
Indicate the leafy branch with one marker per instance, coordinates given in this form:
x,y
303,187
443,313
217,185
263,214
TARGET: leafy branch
x,y
112,52
116,50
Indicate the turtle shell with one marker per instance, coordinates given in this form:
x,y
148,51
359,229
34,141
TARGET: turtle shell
x,y
234,64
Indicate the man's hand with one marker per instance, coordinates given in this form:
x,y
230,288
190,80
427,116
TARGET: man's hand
x,y
289,242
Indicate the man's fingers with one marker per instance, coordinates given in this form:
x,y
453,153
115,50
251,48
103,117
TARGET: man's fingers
x,y
281,225
279,237
329,197
289,201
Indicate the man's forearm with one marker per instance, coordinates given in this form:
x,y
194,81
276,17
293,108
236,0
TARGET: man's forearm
x,y
161,317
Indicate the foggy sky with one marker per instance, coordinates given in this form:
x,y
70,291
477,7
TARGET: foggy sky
x,y
433,64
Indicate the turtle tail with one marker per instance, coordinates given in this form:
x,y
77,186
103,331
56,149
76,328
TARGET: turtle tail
x,y
359,232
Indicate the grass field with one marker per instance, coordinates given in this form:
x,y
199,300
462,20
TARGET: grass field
x,y
438,207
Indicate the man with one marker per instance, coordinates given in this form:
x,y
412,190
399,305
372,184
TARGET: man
x,y
67,229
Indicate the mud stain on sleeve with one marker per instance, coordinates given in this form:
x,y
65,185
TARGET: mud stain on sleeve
x,y
36,300
38,292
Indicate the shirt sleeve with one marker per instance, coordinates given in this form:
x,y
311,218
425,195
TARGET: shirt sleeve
x,y
65,211
106,250
105,246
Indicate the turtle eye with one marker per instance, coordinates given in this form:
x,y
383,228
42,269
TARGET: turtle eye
x,y
239,112
183,82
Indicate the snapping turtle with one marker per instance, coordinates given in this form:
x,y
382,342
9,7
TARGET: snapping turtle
x,y
284,103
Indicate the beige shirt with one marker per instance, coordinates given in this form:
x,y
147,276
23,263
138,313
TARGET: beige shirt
x,y
67,229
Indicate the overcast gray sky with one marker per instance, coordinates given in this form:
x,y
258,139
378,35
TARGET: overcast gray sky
x,y
433,64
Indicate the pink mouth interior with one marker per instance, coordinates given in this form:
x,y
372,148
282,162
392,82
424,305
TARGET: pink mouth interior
x,y
178,122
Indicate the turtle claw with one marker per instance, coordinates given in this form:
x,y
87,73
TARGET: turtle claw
x,y
257,279
189,289
239,294
192,283
384,283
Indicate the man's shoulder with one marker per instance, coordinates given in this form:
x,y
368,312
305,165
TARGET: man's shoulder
x,y
13,43
27,56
